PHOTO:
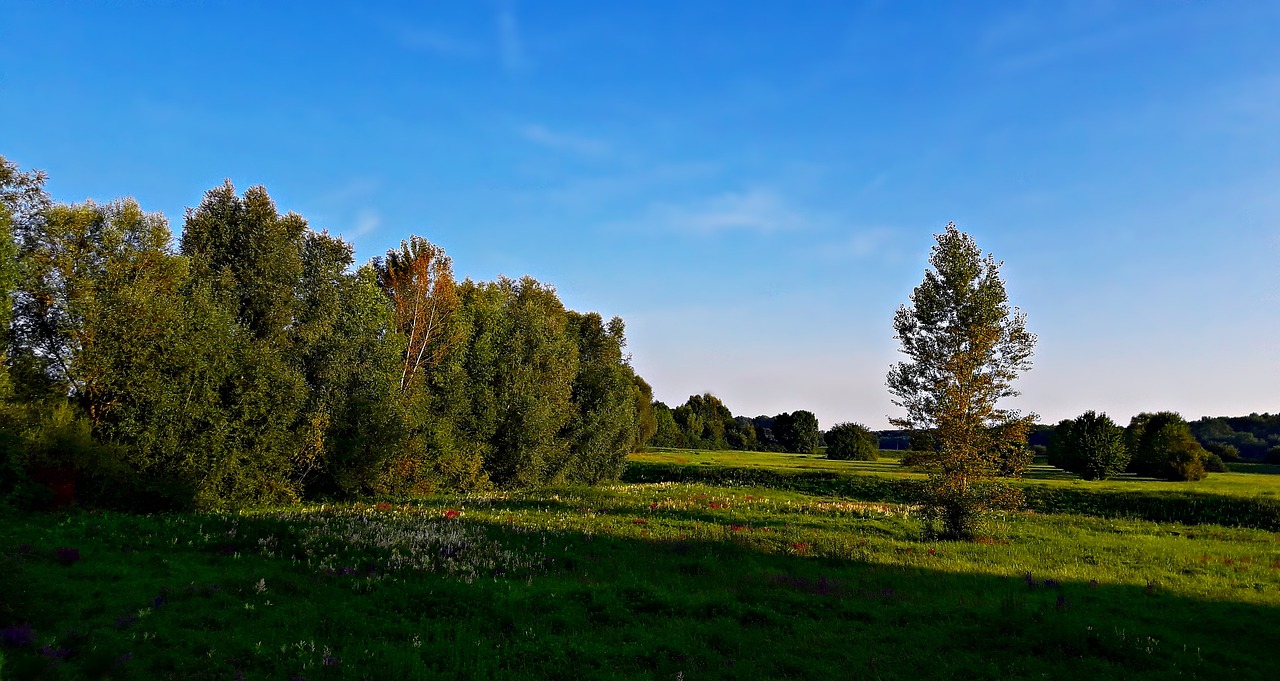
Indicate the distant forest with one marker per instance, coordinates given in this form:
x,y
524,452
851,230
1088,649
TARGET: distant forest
x,y
1233,438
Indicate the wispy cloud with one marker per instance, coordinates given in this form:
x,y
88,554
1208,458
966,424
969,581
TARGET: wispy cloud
x,y
367,222
509,41
756,210
863,243
559,141
425,39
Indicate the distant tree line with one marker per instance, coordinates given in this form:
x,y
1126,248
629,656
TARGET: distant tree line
x,y
1255,437
253,362
704,422
1158,445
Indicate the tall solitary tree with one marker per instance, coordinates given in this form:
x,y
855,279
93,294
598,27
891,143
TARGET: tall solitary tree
x,y
965,346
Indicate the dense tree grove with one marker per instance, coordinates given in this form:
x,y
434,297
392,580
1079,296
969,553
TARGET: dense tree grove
x,y
254,363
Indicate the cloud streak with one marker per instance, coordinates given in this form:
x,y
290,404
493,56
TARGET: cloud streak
x,y
558,141
754,210
510,44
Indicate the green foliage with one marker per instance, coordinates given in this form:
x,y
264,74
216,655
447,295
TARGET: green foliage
x,y
703,420
521,363
965,347
1273,455
852,441
1091,445
1224,452
1250,435
1161,446
1214,464
667,432
646,413
258,248
797,431
604,429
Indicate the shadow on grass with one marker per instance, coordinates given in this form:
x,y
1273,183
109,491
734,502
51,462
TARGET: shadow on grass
x,y
603,607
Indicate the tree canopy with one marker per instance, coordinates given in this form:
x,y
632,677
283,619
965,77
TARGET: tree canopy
x,y
965,346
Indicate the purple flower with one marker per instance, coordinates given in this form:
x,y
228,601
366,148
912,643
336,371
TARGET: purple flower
x,y
67,556
18,636
158,602
330,661
123,621
123,659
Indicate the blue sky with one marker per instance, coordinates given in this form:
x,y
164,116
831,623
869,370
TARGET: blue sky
x,y
753,186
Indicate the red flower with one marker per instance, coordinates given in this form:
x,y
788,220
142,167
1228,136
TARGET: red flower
x,y
653,506
384,506
452,513
640,521
736,528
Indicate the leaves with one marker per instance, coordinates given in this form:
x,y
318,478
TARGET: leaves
x,y
965,346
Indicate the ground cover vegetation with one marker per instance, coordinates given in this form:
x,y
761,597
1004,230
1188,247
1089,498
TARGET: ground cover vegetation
x,y
253,363
660,580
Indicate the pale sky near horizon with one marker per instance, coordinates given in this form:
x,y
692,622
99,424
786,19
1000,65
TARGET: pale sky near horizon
x,y
752,186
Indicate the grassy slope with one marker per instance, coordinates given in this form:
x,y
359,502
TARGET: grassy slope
x,y
635,581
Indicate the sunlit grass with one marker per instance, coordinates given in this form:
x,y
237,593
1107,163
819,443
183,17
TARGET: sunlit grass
x,y
633,581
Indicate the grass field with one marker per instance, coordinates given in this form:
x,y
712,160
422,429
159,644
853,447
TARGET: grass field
x,y
658,580
1246,480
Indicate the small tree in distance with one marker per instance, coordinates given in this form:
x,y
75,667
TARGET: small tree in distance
x,y
1091,445
964,347
852,441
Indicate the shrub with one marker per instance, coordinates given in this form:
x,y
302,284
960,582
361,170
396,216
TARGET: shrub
x,y
1214,464
852,441
1091,445
1273,455
1162,446
915,458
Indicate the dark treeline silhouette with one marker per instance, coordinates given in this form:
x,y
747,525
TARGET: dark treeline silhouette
x,y
704,422
254,363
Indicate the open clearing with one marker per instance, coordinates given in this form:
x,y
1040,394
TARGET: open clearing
x,y
637,580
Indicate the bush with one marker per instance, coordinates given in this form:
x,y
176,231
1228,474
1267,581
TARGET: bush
x,y
1162,446
916,458
852,441
1091,445
1214,464
1273,455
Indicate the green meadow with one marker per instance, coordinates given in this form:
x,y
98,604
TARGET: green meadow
x,y
664,579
